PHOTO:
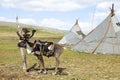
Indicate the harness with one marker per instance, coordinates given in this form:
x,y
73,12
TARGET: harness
x,y
45,49
29,49
50,51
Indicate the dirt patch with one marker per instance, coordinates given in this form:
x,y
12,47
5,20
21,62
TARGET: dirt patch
x,y
10,72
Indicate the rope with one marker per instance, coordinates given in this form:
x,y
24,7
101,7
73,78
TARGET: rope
x,y
102,37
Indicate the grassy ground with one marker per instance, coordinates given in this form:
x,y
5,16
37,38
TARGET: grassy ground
x,y
74,65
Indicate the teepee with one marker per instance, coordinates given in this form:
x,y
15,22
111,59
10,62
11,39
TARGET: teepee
x,y
73,36
105,38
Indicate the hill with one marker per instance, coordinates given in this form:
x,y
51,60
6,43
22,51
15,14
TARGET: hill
x,y
14,24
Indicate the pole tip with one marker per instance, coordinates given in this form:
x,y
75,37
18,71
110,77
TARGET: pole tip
x,y
112,11
16,17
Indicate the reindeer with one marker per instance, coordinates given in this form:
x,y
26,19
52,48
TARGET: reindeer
x,y
48,49
40,48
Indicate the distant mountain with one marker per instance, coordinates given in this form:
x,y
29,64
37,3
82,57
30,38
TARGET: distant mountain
x,y
14,24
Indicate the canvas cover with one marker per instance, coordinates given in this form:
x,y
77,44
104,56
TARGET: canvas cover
x,y
73,36
105,38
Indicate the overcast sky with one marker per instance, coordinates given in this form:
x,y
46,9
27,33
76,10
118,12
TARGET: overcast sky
x,y
60,14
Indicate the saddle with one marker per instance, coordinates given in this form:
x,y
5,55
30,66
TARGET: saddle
x,y
49,49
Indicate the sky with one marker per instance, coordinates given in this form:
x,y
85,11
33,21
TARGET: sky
x,y
60,14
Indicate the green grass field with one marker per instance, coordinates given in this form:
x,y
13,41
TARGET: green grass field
x,y
73,66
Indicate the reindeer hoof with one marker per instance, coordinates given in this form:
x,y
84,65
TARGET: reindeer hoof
x,y
45,72
55,73
27,73
40,71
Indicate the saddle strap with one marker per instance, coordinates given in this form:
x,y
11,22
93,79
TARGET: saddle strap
x,y
51,47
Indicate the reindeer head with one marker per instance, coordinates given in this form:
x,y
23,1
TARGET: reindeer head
x,y
24,38
27,45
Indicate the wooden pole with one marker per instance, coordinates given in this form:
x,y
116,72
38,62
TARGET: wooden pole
x,y
21,49
112,11
101,40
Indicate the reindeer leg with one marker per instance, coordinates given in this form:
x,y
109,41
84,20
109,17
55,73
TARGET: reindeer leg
x,y
57,65
39,62
40,57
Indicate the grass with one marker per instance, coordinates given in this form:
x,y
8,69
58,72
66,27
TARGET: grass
x,y
74,65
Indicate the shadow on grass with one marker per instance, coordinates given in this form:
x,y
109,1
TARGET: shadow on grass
x,y
49,70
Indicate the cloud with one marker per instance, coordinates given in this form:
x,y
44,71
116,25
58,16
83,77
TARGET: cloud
x,y
51,5
51,23
28,21
55,5
55,23
8,3
46,22
42,5
101,12
6,19
100,15
2,18
21,20
86,26
104,5
62,25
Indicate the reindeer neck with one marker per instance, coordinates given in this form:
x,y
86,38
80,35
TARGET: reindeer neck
x,y
29,47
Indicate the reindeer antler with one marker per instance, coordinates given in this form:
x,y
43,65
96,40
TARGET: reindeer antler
x,y
33,32
20,37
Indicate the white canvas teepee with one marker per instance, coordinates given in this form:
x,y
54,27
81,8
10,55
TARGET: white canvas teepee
x,y
105,38
73,36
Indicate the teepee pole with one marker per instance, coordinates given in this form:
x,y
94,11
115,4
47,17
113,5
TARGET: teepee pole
x,y
112,14
112,10
76,23
21,49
